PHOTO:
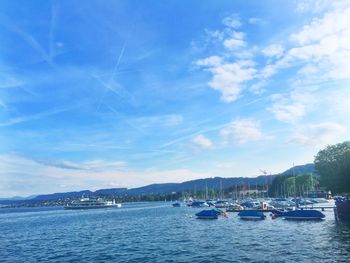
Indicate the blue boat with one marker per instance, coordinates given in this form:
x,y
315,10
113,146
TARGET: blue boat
x,y
207,214
303,214
177,204
342,209
251,214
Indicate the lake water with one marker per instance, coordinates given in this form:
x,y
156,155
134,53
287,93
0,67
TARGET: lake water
x,y
157,232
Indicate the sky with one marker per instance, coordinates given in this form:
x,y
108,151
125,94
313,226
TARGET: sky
x,y
103,94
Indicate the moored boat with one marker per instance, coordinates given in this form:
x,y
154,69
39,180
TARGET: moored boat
x,y
199,204
251,214
207,214
303,214
342,209
177,204
88,203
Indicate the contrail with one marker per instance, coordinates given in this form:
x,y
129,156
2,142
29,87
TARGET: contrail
x,y
52,29
109,83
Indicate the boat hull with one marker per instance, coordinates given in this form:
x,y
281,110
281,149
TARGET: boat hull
x,y
252,217
207,217
342,210
68,207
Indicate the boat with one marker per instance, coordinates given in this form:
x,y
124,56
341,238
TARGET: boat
x,y
89,203
207,214
251,214
177,204
222,204
199,204
303,214
234,208
277,213
342,209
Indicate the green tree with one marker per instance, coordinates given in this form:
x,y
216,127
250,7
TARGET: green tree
x,y
333,165
305,183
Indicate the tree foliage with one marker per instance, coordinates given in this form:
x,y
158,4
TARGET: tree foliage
x,y
288,186
333,165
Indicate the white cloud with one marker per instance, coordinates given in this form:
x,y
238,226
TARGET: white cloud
x,y
232,22
321,49
325,43
330,24
243,131
274,50
319,135
234,43
234,67
313,6
288,112
291,107
228,78
203,141
212,61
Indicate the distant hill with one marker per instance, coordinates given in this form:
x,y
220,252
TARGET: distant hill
x,y
101,192
200,184
215,183
301,169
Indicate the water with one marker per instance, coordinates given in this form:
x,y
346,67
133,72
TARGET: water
x,y
157,232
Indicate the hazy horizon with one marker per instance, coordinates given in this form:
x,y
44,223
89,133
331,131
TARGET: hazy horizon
x,y
103,94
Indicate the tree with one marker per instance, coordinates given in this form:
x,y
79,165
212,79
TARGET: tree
x,y
333,165
283,185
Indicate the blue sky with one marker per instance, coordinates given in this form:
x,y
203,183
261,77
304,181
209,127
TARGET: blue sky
x,y
101,94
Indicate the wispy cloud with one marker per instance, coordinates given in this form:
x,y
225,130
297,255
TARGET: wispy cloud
x,y
319,135
21,119
273,50
29,39
291,107
202,141
157,121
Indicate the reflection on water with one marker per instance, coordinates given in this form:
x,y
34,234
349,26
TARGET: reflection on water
x,y
157,232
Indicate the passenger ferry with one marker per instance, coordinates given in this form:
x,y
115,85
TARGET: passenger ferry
x,y
88,203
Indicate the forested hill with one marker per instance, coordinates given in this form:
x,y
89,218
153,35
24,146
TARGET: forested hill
x,y
302,169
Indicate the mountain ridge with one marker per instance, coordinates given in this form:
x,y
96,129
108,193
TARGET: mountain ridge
x,y
214,183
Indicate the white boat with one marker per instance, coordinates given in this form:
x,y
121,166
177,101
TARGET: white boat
x,y
87,203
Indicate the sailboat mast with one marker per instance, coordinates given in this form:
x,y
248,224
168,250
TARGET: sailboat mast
x,y
295,190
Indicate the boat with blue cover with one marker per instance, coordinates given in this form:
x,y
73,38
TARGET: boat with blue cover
x,y
177,204
251,214
303,214
208,214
